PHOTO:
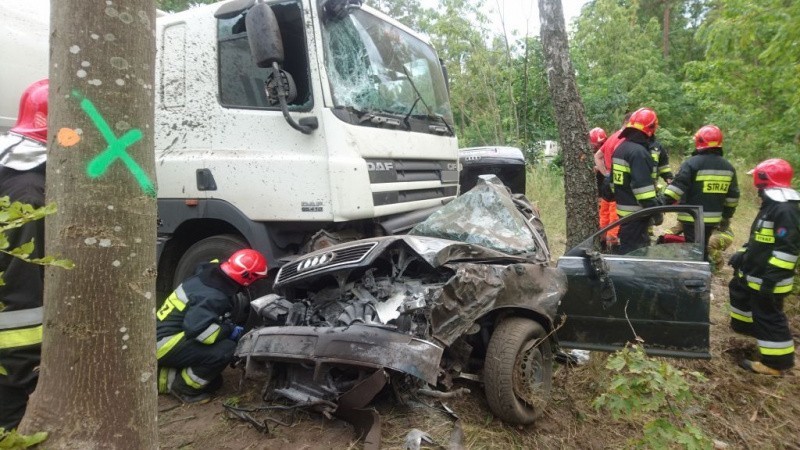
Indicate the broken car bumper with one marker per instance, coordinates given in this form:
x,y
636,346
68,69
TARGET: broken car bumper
x,y
357,345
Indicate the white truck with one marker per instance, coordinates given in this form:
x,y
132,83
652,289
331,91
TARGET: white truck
x,y
291,125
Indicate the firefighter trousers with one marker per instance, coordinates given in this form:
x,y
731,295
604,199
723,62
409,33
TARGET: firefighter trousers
x,y
195,367
761,316
17,384
608,214
633,235
21,296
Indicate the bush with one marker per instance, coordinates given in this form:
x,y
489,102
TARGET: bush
x,y
644,389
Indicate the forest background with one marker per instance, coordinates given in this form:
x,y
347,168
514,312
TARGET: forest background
x,y
733,63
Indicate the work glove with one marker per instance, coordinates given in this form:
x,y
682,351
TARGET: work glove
x,y
725,224
236,333
736,260
767,287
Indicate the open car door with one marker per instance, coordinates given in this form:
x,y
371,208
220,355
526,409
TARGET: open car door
x,y
659,292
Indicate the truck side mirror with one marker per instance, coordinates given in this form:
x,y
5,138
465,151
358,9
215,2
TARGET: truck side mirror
x,y
264,35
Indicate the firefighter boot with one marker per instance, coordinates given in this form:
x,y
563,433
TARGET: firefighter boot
x,y
186,394
759,368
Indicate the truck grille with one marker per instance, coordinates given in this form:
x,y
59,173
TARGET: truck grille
x,y
405,170
323,260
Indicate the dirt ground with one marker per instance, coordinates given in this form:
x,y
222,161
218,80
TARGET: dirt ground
x,y
738,409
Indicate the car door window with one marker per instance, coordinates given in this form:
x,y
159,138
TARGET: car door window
x,y
665,241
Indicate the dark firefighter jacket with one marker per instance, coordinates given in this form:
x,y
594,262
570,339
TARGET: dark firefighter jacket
x,y
196,310
632,173
21,296
661,159
709,180
771,253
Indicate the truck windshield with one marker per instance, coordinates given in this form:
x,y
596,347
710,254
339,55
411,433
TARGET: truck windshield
x,y
374,66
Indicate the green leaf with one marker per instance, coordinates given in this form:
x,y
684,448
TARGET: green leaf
x,y
13,440
24,250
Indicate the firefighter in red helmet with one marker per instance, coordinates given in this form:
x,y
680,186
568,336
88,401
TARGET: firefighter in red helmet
x,y
764,269
709,180
196,336
23,155
632,176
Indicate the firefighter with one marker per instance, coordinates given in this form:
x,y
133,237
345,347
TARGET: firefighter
x,y
764,269
23,154
661,160
597,136
709,180
632,175
196,337
608,204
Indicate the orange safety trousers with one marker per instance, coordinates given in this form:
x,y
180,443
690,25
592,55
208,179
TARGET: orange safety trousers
x,y
608,214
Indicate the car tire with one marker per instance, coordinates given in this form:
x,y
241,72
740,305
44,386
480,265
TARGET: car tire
x,y
518,371
215,247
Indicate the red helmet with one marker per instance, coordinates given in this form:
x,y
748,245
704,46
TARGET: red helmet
x,y
773,173
644,120
708,136
245,266
597,136
32,118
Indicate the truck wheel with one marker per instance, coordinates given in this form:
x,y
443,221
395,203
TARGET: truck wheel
x,y
518,371
215,247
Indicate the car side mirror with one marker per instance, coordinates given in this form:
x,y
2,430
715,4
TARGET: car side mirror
x,y
598,268
264,35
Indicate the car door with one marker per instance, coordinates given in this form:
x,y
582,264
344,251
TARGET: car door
x,y
658,294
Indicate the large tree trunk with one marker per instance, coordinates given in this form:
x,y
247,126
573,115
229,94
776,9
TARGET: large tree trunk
x,y
97,382
579,183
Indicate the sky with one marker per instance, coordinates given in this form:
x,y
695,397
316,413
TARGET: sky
x,y
518,13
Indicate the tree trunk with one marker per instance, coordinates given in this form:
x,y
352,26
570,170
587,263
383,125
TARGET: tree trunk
x,y
97,385
579,183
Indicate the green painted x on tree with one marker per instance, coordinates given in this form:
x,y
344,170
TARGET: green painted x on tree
x,y
116,147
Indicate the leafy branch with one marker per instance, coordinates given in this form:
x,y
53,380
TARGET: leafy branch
x,y
14,215
654,391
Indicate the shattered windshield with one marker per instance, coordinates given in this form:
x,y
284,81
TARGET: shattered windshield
x,y
487,216
375,66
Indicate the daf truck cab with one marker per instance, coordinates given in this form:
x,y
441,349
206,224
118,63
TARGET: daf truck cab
x,y
292,125
285,125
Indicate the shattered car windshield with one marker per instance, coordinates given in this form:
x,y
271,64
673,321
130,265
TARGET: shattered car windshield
x,y
487,216
375,66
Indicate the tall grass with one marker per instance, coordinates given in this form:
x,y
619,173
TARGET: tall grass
x,y
545,189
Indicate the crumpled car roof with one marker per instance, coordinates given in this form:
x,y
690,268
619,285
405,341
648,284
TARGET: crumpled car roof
x,y
486,216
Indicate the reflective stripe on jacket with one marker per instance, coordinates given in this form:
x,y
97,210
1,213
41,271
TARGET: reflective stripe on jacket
x,y
772,252
632,171
709,180
21,328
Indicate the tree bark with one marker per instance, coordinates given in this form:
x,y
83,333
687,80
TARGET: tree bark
x,y
97,385
579,183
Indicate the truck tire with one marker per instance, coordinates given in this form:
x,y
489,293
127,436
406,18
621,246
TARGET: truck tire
x,y
518,371
215,247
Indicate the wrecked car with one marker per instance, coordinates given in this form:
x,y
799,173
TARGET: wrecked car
x,y
470,293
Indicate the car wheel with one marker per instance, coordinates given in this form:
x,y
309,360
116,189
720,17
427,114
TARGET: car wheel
x,y
215,247
518,370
